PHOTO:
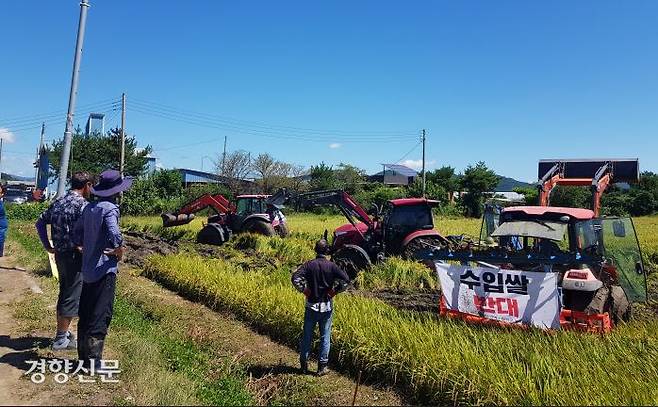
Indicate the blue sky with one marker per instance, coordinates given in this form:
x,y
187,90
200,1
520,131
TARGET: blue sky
x,y
506,82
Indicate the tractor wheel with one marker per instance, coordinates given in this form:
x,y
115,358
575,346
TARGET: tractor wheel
x,y
260,227
213,234
351,259
410,250
414,246
621,308
600,301
282,230
612,300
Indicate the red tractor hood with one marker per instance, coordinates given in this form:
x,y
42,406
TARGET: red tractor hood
x,y
348,227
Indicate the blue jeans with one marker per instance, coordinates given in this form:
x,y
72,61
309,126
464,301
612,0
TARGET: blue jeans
x,y
323,319
3,232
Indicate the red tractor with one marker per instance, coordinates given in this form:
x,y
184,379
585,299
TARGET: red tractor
x,y
400,228
253,213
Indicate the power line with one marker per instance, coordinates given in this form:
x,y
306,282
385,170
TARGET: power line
x,y
260,133
54,123
256,132
39,117
255,124
409,152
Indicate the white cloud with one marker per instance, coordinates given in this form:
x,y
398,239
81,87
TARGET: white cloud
x,y
334,145
418,164
7,135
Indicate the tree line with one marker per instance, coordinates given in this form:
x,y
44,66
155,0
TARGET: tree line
x,y
458,193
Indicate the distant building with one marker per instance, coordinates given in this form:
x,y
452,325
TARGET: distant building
x,y
95,123
195,177
151,164
394,174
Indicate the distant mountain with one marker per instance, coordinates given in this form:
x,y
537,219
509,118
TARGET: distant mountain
x,y
507,184
12,177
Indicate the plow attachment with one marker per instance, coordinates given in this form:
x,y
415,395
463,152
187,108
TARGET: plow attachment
x,y
170,219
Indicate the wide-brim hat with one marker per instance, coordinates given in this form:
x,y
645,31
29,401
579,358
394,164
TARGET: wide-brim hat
x,y
111,183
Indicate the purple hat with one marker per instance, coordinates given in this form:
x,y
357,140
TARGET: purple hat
x,y
111,183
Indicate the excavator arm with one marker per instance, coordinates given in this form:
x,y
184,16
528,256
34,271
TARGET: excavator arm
x,y
185,214
338,198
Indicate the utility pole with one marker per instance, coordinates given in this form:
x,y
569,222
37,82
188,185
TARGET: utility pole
x,y
66,150
224,156
36,162
423,139
123,132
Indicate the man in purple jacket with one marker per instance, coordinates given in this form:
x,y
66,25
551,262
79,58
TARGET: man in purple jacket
x,y
320,280
97,234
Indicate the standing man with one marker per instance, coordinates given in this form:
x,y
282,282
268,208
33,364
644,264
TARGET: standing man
x,y
97,233
62,215
320,280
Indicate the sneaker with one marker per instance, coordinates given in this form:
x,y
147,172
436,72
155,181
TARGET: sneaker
x,y
303,367
67,342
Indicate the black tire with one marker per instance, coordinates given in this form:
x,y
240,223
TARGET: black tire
x,y
612,300
420,243
621,309
260,227
352,260
282,230
600,301
212,233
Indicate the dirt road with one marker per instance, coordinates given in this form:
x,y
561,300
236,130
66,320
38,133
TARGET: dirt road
x,y
20,342
16,349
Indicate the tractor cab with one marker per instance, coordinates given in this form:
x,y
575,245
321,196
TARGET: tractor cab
x,y
598,259
401,218
265,206
249,204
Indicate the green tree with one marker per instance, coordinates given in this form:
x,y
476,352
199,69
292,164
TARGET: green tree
x,y
168,183
323,177
97,152
530,195
615,202
432,190
649,183
350,178
571,197
378,194
641,203
446,178
161,192
477,180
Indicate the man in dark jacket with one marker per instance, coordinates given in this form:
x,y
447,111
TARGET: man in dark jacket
x,y
320,280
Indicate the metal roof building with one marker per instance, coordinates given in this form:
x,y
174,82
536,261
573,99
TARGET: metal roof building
x,y
196,177
395,174
200,177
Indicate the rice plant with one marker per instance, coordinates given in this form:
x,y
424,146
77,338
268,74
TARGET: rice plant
x,y
441,361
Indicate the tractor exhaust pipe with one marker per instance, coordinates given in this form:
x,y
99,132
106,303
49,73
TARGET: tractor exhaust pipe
x,y
170,219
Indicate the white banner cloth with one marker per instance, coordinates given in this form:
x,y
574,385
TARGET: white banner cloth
x,y
519,297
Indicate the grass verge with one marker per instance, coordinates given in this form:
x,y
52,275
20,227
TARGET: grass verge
x,y
159,365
